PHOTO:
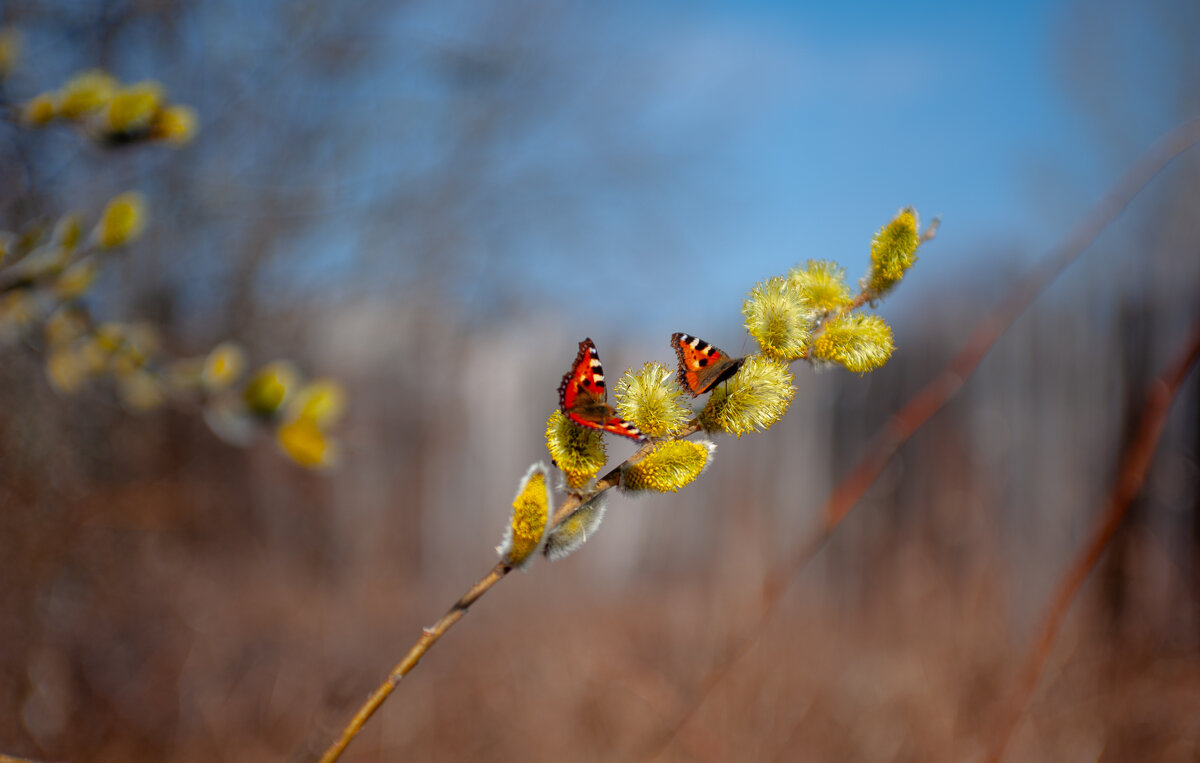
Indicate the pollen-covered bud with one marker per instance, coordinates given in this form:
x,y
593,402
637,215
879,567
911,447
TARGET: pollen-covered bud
x,y
302,436
271,387
894,250
305,443
131,109
652,400
778,318
39,110
66,231
861,343
531,513
10,51
579,452
175,125
753,400
821,284
223,366
76,280
574,531
85,92
668,466
122,220
321,401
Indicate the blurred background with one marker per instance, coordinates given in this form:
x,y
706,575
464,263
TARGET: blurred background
x,y
433,202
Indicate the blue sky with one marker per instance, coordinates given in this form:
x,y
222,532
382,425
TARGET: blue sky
x,y
812,124
679,152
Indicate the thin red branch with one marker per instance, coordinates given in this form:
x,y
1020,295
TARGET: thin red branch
x,y
1132,473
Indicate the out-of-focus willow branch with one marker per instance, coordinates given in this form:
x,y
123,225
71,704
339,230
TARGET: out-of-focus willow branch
x,y
1135,462
936,393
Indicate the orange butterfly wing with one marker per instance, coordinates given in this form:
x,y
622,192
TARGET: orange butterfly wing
x,y
583,396
701,365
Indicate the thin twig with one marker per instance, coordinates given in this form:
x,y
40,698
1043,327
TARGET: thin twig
x,y
430,635
938,391
1132,473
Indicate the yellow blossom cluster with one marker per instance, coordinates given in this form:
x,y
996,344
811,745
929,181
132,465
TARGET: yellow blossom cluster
x,y
667,466
113,113
531,511
810,313
577,451
652,400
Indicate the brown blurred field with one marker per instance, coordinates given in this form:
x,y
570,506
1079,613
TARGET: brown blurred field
x,y
165,596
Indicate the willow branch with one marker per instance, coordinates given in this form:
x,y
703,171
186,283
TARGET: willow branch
x,y
1132,473
938,391
431,635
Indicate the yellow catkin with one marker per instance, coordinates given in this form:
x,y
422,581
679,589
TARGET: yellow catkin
x,y
667,466
321,401
894,250
84,93
133,108
305,443
861,343
176,125
778,318
531,514
39,110
577,451
270,387
652,400
223,366
821,284
122,220
753,400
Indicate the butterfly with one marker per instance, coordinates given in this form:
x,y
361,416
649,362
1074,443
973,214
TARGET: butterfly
x,y
582,396
701,365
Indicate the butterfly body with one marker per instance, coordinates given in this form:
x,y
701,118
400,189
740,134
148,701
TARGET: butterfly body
x,y
583,396
701,365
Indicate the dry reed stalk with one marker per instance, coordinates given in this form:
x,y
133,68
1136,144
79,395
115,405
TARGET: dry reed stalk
x,y
1135,462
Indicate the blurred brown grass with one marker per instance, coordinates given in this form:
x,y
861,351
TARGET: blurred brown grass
x,y
241,658
166,597
172,598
